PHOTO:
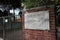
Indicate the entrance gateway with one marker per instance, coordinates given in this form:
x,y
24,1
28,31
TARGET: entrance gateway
x,y
10,29
39,24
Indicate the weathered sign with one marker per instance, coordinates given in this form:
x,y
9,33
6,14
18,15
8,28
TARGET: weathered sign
x,y
37,20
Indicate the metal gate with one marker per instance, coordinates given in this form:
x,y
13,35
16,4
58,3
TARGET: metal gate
x,y
10,28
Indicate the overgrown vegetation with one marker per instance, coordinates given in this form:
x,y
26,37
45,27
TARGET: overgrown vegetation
x,y
35,3
57,5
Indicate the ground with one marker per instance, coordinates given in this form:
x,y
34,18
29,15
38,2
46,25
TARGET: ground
x,y
15,34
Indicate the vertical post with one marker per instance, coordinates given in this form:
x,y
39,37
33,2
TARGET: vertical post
x,y
3,28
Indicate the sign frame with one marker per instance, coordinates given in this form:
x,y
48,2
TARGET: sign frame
x,y
37,28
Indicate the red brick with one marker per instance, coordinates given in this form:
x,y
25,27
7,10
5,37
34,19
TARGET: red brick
x,y
41,34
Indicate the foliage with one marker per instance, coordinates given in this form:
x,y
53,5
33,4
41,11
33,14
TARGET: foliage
x,y
57,3
35,3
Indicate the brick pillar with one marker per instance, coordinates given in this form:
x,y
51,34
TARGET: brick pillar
x,y
41,34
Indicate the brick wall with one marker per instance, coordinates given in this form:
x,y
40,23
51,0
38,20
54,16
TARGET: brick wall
x,y
40,34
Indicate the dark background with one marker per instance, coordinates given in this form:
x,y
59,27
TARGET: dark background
x,y
14,3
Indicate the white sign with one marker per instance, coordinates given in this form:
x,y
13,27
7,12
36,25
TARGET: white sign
x,y
37,20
